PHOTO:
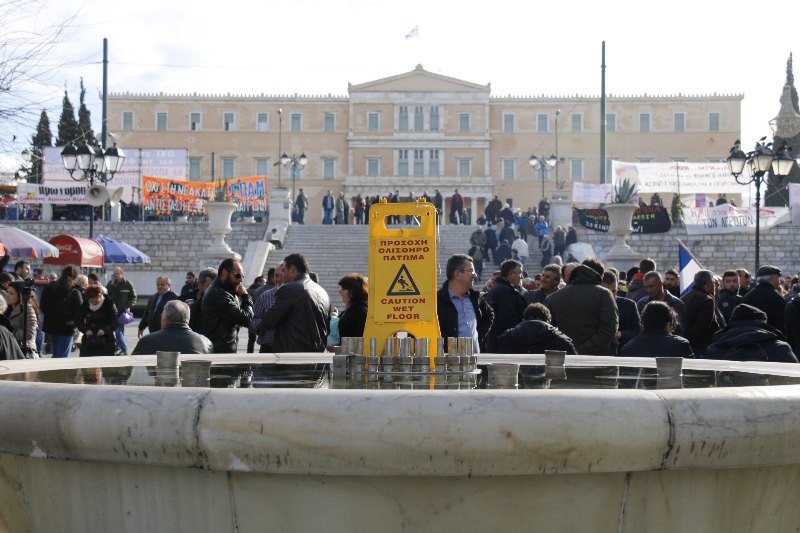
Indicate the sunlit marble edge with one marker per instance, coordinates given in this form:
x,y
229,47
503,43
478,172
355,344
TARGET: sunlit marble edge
x,y
439,432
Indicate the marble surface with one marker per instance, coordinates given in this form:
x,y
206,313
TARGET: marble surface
x,y
81,457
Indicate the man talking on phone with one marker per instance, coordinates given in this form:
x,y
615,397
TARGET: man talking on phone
x,y
227,306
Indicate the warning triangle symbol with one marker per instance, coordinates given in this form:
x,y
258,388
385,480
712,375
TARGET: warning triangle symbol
x,y
403,284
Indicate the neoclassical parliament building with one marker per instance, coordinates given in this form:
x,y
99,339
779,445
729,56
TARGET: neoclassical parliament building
x,y
419,131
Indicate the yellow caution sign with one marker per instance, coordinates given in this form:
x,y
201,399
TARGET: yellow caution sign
x,y
402,272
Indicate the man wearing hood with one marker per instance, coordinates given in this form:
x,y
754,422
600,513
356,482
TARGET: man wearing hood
x,y
748,337
587,312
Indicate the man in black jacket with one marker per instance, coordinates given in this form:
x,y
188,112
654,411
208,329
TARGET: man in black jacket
x,y
534,334
226,307
301,313
507,299
152,314
462,310
766,296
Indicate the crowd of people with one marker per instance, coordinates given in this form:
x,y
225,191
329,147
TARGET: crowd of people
x,y
581,308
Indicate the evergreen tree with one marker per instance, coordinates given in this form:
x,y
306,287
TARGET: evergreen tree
x,y
85,120
790,82
41,139
68,129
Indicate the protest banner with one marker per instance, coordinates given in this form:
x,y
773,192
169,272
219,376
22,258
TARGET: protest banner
x,y
166,197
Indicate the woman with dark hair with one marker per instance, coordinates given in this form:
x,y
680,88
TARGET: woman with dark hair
x,y
24,318
657,339
354,292
98,323
61,305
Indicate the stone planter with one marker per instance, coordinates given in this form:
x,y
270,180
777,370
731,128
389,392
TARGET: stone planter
x,y
219,225
620,253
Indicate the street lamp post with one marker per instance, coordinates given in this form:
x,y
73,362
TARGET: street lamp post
x,y
279,163
294,164
544,165
760,161
95,165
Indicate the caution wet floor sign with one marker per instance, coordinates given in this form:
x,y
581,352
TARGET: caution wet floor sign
x,y
402,271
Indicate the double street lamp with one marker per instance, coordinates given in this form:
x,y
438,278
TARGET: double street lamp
x,y
759,163
544,165
294,164
95,165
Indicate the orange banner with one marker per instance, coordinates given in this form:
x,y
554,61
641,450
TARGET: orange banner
x,y
176,197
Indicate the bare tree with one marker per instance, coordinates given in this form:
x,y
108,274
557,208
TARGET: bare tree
x,y
26,43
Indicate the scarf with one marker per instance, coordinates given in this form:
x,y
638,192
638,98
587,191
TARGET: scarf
x,y
94,307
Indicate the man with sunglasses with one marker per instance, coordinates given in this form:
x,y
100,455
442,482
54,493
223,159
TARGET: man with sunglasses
x,y
226,307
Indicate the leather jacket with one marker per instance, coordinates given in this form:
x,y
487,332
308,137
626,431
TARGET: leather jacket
x,y
300,317
223,315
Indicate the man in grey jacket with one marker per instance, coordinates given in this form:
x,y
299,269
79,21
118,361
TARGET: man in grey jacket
x,y
174,335
301,312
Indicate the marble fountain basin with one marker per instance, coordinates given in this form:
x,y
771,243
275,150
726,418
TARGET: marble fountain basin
x,y
98,458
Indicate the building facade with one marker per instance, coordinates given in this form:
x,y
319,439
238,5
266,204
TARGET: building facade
x,y
418,132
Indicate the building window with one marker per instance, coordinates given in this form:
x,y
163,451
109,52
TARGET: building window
x,y
228,168
329,169
161,121
509,169
644,122
419,162
329,120
195,122
402,123
576,169
194,168
433,163
541,122
463,122
464,168
713,122
419,118
577,122
262,122
373,166
228,121
402,162
434,118
508,123
262,165
680,121
296,121
373,121
611,122
127,120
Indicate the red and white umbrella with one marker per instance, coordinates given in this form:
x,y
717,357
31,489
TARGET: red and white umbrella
x,y
19,243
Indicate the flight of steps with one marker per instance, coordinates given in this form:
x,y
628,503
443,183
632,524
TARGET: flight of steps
x,y
333,251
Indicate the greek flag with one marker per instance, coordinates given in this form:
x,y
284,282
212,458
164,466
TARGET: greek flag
x,y
413,33
688,266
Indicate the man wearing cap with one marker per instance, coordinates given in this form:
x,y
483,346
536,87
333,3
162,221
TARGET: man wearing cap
x,y
749,338
766,296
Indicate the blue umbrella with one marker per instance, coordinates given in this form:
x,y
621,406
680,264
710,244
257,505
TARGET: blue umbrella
x,y
120,252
